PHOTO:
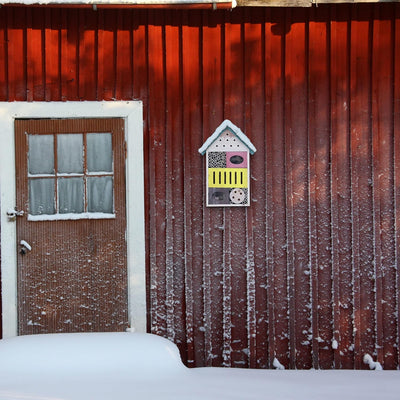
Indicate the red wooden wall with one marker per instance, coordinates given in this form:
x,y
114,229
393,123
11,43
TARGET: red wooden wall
x,y
314,260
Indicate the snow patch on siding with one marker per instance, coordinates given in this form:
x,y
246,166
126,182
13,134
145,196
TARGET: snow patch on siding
x,y
371,363
277,364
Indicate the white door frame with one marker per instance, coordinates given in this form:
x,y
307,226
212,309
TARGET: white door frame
x,y
132,112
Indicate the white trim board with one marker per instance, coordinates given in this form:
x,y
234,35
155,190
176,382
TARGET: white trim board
x,y
132,112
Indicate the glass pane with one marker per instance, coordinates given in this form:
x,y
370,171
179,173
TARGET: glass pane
x,y
70,195
41,196
41,154
99,152
100,194
70,153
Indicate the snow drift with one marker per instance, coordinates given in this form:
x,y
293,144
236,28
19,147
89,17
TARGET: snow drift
x,y
134,366
93,353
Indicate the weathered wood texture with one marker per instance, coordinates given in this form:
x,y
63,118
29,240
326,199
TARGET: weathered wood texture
x,y
309,273
77,284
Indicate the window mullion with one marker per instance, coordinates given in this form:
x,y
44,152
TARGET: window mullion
x,y
55,174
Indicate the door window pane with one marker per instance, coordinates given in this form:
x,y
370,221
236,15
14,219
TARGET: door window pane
x,y
40,154
41,196
71,195
99,152
69,153
70,173
100,194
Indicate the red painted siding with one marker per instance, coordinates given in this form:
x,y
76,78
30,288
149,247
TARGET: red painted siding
x,y
315,258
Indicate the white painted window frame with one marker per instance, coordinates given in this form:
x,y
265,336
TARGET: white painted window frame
x,y
132,113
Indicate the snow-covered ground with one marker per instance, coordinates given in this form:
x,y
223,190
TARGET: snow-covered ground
x,y
134,366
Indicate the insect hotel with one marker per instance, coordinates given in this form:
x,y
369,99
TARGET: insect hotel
x,y
228,166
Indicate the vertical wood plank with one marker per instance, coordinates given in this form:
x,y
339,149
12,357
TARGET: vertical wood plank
x,y
124,56
320,197
52,54
69,55
88,55
297,190
235,217
378,190
290,202
360,64
230,34
227,308
171,74
190,63
35,54
257,331
17,54
194,187
139,56
212,78
174,176
4,84
276,239
340,187
382,131
106,54
157,173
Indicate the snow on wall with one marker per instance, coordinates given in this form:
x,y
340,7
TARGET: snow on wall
x,y
308,274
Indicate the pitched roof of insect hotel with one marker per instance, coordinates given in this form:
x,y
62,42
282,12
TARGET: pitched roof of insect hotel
x,y
227,137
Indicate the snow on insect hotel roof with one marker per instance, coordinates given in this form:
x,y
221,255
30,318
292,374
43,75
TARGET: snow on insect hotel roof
x,y
236,131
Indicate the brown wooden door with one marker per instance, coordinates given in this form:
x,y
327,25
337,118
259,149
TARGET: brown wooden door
x,y
70,182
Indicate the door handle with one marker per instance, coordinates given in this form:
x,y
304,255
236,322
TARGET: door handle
x,y
25,247
13,214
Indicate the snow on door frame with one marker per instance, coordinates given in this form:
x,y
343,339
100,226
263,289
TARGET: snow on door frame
x,y
132,112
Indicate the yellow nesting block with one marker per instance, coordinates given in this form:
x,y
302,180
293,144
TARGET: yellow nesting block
x,y
227,177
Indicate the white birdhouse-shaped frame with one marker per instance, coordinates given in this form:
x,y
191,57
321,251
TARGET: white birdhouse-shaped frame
x,y
228,166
